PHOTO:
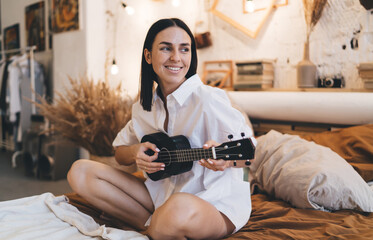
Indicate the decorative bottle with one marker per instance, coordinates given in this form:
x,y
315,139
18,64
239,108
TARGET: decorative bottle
x,y
306,70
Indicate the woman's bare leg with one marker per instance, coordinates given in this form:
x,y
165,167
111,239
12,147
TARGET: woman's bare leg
x,y
115,192
185,216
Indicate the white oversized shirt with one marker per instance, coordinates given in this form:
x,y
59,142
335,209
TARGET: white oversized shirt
x,y
200,113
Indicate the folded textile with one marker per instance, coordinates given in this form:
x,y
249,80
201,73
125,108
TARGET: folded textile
x,y
48,217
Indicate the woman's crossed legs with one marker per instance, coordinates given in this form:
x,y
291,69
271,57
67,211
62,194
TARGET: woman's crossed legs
x,y
122,195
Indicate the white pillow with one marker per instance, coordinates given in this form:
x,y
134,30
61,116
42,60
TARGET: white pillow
x,y
307,175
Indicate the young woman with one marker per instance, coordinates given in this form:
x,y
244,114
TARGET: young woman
x,y
202,203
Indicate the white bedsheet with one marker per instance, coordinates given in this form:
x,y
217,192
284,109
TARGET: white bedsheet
x,y
48,217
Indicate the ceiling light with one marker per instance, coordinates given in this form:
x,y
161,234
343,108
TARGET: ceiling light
x,y
176,3
130,10
114,68
249,6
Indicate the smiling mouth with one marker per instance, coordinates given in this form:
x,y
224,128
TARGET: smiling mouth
x,y
174,68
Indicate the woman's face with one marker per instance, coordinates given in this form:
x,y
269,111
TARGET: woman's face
x,y
170,57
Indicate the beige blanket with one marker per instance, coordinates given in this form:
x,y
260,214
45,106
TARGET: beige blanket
x,y
46,217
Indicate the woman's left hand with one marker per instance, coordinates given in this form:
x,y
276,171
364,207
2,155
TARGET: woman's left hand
x,y
215,165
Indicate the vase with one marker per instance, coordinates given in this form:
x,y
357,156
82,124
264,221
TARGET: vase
x,y
306,70
110,160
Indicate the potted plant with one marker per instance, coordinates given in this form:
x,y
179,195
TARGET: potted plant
x,y
89,114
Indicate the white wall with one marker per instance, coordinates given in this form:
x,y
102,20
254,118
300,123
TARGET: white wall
x,y
95,24
131,31
281,38
81,52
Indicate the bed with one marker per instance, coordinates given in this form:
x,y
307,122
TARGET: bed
x,y
309,180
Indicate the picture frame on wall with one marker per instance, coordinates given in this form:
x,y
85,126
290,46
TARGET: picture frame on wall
x,y
65,15
218,73
261,5
11,39
1,50
1,42
1,29
50,29
35,25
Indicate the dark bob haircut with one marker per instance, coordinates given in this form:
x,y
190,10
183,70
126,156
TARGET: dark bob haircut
x,y
148,76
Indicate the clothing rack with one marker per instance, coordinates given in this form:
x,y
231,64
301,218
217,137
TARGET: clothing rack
x,y
31,50
8,144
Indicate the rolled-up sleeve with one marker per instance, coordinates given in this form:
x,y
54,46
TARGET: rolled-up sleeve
x,y
126,136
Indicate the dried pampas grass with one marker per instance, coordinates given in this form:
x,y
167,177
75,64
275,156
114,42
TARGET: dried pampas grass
x,y
89,114
313,10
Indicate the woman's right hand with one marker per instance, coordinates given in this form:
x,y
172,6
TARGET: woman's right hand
x,y
144,161
215,165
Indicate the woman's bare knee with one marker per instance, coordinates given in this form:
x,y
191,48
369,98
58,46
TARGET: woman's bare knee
x,y
172,219
182,207
77,173
184,215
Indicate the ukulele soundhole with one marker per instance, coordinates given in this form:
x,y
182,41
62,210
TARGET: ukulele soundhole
x,y
166,156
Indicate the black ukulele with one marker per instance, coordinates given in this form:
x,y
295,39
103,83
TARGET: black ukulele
x,y
178,156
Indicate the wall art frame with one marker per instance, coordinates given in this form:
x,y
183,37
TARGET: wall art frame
x,y
11,39
218,73
239,26
279,3
35,25
65,15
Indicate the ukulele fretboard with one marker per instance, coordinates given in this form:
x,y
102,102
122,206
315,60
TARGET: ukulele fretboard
x,y
185,155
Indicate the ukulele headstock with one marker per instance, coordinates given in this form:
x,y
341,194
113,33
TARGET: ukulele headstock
x,y
242,149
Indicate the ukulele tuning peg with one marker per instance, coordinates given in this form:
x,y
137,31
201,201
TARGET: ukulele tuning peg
x,y
242,134
230,136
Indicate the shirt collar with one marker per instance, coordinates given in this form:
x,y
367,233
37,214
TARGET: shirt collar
x,y
185,89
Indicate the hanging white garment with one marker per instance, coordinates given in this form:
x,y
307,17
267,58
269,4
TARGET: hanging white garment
x,y
38,81
20,86
14,79
27,85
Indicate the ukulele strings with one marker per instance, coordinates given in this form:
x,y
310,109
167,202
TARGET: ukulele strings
x,y
192,150
186,154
